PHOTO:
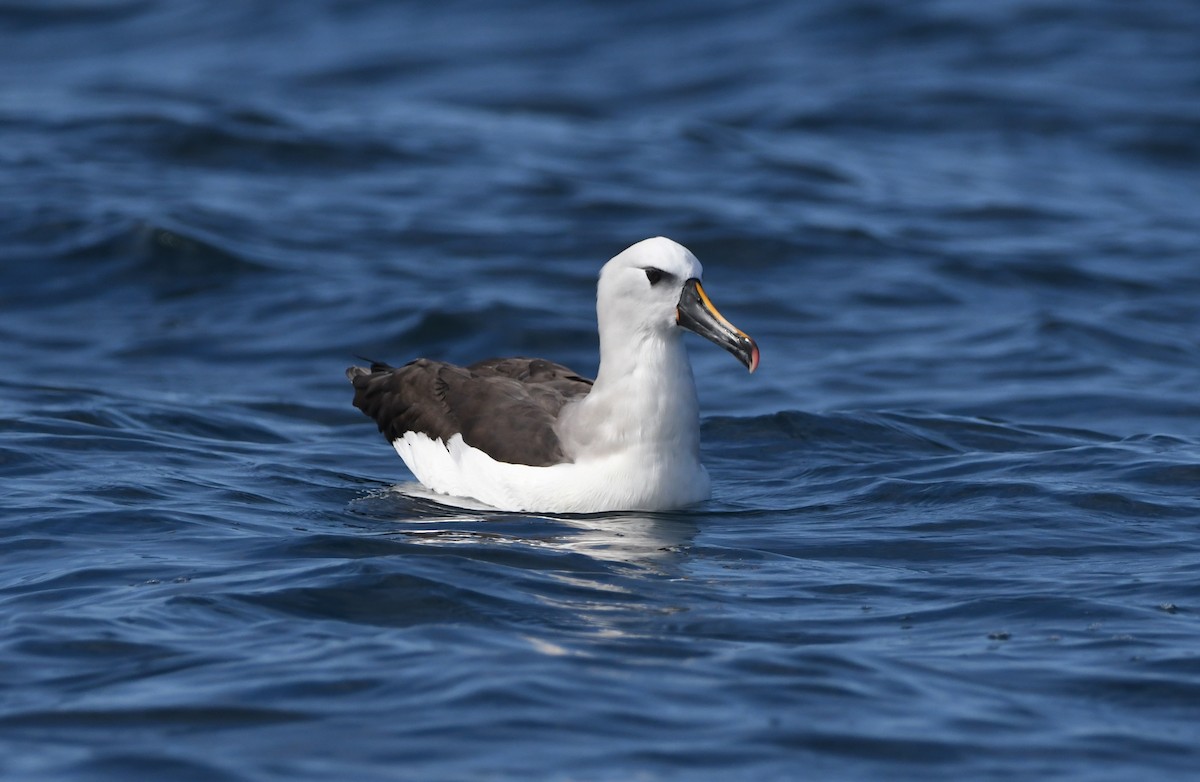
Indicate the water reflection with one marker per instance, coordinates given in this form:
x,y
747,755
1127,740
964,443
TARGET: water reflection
x,y
645,539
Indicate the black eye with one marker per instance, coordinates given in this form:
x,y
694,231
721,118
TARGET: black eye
x,y
655,275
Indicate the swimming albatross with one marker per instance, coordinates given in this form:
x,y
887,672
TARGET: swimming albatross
x,y
525,434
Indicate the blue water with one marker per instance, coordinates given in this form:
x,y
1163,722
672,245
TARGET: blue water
x,y
955,526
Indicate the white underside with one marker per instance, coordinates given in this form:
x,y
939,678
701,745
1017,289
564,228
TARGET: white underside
x,y
638,478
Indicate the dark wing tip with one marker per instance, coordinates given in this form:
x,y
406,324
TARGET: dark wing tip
x,y
376,366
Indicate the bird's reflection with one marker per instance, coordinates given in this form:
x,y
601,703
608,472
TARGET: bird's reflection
x,y
646,539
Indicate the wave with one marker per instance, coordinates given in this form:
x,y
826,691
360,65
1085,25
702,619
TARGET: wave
x,y
167,258
869,459
245,140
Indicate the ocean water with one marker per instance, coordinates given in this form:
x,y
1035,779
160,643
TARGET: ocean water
x,y
955,525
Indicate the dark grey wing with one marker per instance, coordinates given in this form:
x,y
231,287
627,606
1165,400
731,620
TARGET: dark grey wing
x,y
404,399
539,376
504,407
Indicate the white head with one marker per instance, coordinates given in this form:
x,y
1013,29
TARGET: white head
x,y
652,289
640,287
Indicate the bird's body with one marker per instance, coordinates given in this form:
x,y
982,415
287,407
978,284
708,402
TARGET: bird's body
x,y
530,435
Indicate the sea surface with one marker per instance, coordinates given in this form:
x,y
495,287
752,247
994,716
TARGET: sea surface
x,y
955,524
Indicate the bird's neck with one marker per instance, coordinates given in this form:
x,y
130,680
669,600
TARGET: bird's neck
x,y
644,395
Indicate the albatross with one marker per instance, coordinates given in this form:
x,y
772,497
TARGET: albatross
x,y
526,434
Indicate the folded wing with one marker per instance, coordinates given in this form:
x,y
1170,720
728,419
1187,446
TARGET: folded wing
x,y
504,407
